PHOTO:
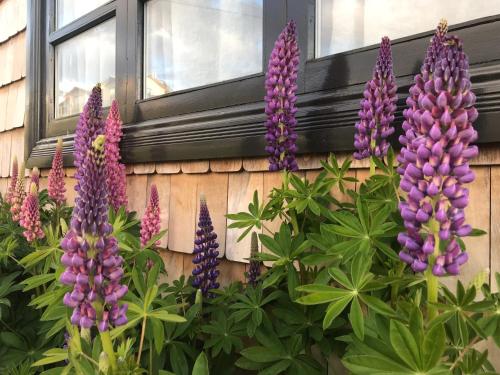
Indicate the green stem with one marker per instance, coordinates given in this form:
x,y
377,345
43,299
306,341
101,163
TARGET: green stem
x,y
295,223
150,356
107,346
372,167
432,281
141,343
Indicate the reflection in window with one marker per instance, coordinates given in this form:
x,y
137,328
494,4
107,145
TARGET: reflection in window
x,y
70,10
191,43
343,25
81,62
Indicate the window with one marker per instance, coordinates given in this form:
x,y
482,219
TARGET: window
x,y
189,74
345,25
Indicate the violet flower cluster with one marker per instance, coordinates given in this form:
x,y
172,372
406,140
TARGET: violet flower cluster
x,y
255,265
436,159
377,108
151,223
205,253
13,181
56,185
281,88
116,176
17,198
93,265
30,215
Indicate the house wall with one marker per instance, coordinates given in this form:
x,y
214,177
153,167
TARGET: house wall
x,y
227,184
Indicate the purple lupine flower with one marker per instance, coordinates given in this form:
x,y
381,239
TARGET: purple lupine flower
x,y
425,75
30,215
18,197
254,267
205,253
56,186
13,181
377,108
35,177
90,125
116,176
150,223
437,166
281,88
93,265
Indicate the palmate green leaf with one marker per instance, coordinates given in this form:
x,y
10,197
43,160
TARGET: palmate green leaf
x,y
325,295
52,356
377,305
201,365
36,281
404,344
130,324
339,276
167,317
433,347
369,364
356,319
272,276
335,309
261,354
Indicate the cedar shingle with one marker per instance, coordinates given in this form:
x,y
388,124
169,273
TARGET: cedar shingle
x,y
226,165
168,167
136,191
5,142
196,166
17,140
144,168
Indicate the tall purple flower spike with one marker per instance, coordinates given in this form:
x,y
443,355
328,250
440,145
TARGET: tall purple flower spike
x,y
13,181
93,265
281,88
150,223
377,108
30,215
436,165
116,176
205,253
56,185
89,126
254,267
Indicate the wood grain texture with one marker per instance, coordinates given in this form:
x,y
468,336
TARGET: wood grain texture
x,y
168,167
495,225
4,97
162,183
226,165
183,204
306,162
255,164
240,193
5,157
70,171
17,145
70,183
144,168
174,264
230,272
11,109
214,186
4,184
196,166
137,193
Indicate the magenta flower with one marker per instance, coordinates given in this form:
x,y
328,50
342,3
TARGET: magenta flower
x,y
116,177
93,265
436,165
13,181
281,88
150,223
56,186
377,108
205,253
17,198
30,215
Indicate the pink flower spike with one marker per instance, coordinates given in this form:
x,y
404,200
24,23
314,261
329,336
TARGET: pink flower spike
x,y
35,178
151,223
56,186
18,197
116,177
13,181
30,215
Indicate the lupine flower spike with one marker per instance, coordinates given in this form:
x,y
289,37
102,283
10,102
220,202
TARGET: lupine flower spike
x,y
93,265
150,224
205,253
30,215
116,177
35,177
281,88
13,181
56,186
18,196
90,125
377,108
254,267
436,165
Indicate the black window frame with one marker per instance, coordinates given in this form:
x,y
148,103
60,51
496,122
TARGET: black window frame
x,y
226,119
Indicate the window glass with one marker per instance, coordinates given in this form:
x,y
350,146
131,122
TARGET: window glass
x,y
191,43
81,62
70,10
344,25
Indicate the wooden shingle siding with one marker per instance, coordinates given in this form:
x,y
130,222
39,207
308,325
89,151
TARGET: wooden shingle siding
x,y
12,18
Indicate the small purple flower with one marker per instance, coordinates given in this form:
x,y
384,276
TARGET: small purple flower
x,y
93,264
435,163
377,108
281,88
254,266
205,253
56,185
